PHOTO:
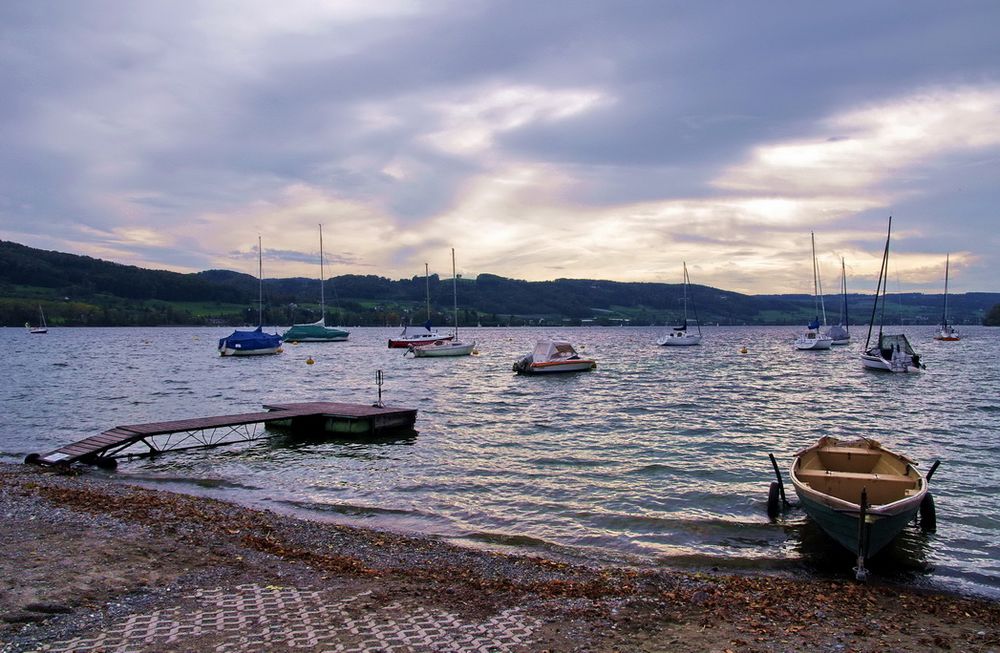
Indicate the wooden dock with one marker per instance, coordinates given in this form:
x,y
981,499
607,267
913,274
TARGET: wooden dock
x,y
137,440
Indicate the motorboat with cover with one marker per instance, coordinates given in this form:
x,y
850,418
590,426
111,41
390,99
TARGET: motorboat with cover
x,y
679,336
889,352
453,346
813,339
861,494
551,356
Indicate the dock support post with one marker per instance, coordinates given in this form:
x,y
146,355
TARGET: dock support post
x,y
378,382
860,573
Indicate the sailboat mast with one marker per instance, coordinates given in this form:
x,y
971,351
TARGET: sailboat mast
x,y
685,290
819,282
878,288
322,302
260,284
944,316
843,291
427,283
454,290
687,282
815,276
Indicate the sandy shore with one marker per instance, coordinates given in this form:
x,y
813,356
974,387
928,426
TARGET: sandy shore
x,y
89,565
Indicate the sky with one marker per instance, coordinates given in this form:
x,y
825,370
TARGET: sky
x,y
585,139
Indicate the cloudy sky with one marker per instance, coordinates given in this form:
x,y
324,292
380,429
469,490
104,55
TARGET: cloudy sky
x,y
550,139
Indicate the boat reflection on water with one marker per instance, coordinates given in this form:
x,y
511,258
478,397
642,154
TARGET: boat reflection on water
x,y
336,444
906,558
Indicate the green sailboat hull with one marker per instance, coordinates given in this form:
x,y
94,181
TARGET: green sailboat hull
x,y
314,333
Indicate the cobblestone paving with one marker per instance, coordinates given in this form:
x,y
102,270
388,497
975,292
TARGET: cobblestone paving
x,y
253,617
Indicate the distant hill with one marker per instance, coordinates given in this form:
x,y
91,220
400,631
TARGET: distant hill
x,y
79,290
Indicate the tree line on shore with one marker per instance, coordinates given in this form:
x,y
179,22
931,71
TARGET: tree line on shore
x,y
77,290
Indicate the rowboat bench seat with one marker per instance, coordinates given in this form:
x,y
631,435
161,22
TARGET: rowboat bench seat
x,y
881,488
849,459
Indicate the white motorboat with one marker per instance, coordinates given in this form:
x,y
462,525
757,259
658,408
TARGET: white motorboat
x,y
452,346
679,336
553,356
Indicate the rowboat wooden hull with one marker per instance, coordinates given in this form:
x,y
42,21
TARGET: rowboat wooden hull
x,y
830,477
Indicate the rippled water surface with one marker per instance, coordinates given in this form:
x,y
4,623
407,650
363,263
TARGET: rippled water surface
x,y
659,457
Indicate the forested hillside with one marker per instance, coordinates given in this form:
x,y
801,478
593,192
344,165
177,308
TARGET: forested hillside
x,y
78,291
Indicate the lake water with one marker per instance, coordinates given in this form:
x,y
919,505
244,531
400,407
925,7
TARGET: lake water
x,y
657,458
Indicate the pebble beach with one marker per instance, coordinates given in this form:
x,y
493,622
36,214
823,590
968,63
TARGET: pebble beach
x,y
88,564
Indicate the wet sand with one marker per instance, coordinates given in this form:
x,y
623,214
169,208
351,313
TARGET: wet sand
x,y
92,565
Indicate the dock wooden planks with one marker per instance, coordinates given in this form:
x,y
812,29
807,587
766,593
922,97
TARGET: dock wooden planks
x,y
336,417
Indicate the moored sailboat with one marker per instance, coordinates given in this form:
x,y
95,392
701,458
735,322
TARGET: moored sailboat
x,y
813,339
454,346
890,352
317,331
42,326
946,332
840,333
256,342
428,335
679,336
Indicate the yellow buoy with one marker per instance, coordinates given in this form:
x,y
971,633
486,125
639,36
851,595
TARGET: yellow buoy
x,y
310,361
743,351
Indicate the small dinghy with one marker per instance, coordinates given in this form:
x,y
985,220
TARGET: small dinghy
x,y
860,494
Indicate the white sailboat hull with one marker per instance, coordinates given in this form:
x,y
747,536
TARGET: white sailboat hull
x,y
872,361
813,344
440,348
683,340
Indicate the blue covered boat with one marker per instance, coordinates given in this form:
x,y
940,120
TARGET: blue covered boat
x,y
250,343
256,342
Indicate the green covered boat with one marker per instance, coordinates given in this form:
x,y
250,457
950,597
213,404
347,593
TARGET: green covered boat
x,y
316,331
860,494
